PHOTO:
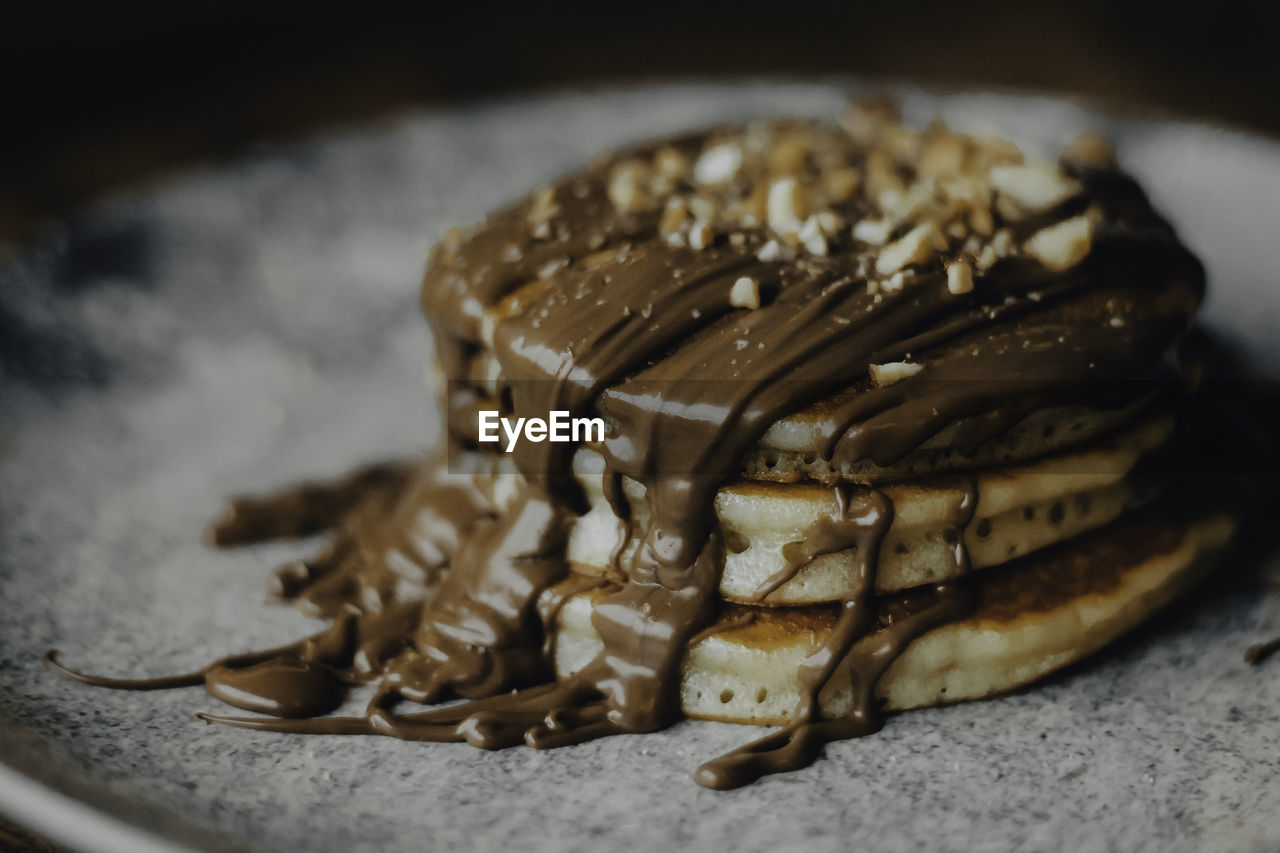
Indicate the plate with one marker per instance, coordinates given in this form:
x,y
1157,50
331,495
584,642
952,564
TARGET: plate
x,y
237,328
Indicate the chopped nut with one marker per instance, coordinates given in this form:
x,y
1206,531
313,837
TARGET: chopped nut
x,y
675,215
719,164
1034,188
702,208
542,210
959,277
750,211
840,184
745,293
626,188
1002,243
788,154
814,236
700,236
866,120
544,200
903,143
894,371
873,231
965,189
981,221
786,206
900,207
995,150
914,247
944,154
987,257
882,175
894,283
671,162
1091,150
451,240
1062,246
830,221
770,251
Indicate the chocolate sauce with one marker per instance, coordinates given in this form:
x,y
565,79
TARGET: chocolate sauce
x,y
1259,652
433,585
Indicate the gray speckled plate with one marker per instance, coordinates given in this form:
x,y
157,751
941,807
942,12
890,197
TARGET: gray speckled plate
x,y
236,329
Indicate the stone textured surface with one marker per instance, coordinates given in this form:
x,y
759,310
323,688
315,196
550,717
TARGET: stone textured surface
x,y
233,330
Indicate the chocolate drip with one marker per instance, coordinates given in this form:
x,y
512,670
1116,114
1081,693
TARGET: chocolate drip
x,y
433,585
303,509
1256,654
797,744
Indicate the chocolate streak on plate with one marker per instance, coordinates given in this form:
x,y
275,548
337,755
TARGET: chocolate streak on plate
x,y
1256,654
637,338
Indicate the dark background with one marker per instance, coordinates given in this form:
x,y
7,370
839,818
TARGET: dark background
x,y
103,96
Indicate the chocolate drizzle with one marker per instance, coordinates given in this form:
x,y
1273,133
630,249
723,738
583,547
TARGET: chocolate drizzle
x,y
1259,652
432,582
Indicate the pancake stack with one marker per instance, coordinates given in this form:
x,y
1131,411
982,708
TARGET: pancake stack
x,y
894,388
884,414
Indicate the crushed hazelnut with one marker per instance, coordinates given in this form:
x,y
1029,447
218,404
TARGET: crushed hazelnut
x,y
944,154
675,215
745,293
1002,243
702,208
865,120
626,189
1091,150
994,150
914,247
770,251
840,184
788,154
719,164
882,176
1062,245
700,236
894,371
452,238
786,206
670,162
873,231
903,143
813,235
1034,188
542,210
987,257
959,277
981,221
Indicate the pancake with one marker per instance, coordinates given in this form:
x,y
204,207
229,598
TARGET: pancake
x,y
1034,616
1016,510
876,410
